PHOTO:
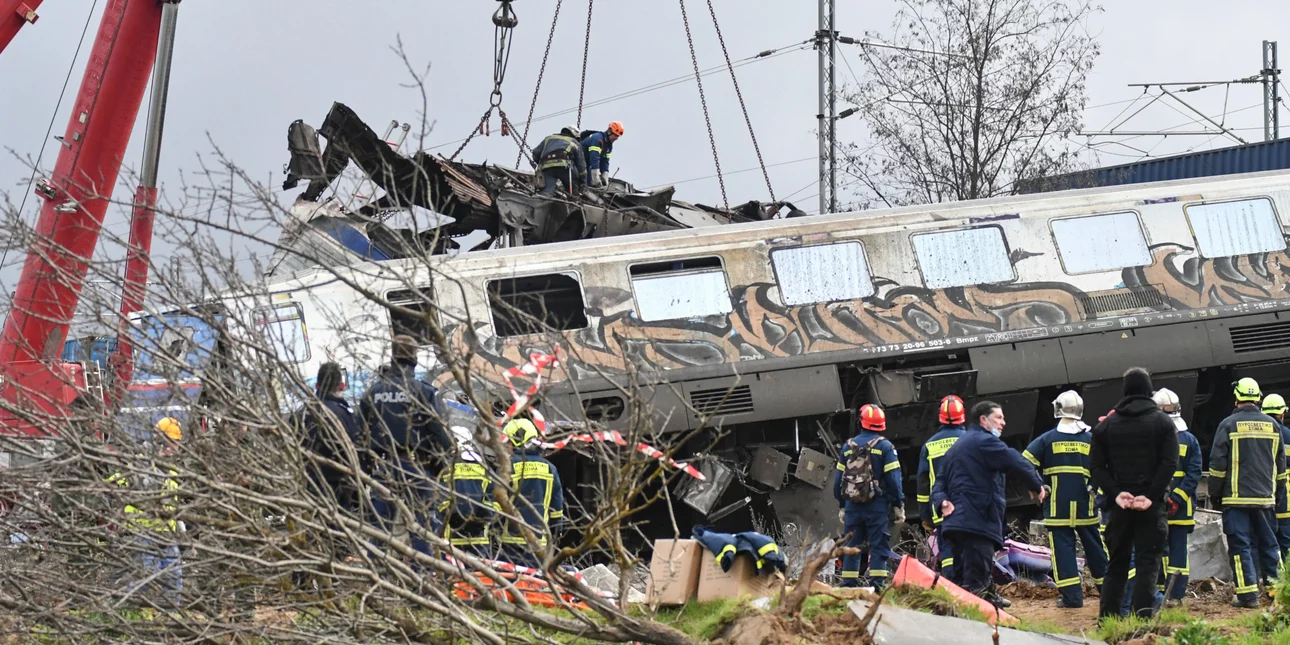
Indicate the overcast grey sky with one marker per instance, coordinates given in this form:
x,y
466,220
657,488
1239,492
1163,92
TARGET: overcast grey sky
x,y
245,69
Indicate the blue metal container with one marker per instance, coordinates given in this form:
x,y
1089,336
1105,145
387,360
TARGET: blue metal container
x,y
1254,157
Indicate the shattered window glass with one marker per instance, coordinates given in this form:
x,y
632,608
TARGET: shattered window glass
x,y
1235,228
415,322
681,289
283,328
824,273
535,304
963,258
1101,242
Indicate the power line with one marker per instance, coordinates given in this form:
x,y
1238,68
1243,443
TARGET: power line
x,y
727,174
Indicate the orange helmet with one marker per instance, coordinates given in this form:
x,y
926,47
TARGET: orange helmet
x,y
952,411
873,418
615,128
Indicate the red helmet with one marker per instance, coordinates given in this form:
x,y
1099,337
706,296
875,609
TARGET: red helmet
x,y
952,411
873,418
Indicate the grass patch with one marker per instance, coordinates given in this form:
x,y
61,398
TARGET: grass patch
x,y
703,620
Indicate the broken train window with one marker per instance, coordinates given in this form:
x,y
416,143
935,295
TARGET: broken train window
x,y
416,321
822,273
282,326
535,304
679,289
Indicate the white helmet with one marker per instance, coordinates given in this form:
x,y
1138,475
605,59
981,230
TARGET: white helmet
x,y
571,130
1068,405
466,448
1167,401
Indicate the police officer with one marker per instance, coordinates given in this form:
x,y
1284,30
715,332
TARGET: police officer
x,y
1275,406
868,517
952,417
599,146
536,493
970,496
1244,463
1062,456
326,425
560,158
1180,504
401,416
467,510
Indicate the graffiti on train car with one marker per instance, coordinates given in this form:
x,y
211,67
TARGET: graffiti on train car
x,y
901,319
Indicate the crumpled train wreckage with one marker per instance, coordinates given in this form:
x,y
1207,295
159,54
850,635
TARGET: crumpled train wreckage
x,y
461,198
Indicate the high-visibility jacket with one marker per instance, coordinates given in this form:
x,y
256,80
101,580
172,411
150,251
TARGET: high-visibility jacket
x,y
469,507
1062,460
1246,459
561,151
140,517
598,147
929,462
763,550
539,495
1182,489
1283,482
721,545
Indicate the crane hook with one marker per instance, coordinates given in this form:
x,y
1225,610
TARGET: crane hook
x,y
505,16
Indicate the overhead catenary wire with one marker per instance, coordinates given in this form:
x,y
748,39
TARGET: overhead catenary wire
x,y
733,172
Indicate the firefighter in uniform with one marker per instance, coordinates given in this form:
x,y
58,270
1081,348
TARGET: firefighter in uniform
x,y
1180,503
952,417
1275,406
1244,463
560,158
870,522
1062,457
537,493
599,146
468,510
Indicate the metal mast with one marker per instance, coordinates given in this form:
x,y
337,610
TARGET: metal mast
x,y
826,38
1271,94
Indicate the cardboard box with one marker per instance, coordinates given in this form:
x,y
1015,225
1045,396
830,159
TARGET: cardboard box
x,y
740,580
674,571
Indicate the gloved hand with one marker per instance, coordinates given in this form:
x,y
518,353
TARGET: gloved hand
x,y
842,516
1171,506
897,515
595,178
604,181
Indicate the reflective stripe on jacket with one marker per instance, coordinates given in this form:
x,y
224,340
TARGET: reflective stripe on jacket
x,y
539,493
559,151
140,517
468,502
1246,459
929,461
1063,460
886,468
1182,488
598,147
973,478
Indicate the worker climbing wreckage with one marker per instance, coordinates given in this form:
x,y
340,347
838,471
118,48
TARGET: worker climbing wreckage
x,y
599,146
561,162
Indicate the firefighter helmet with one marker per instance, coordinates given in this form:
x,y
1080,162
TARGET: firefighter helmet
x,y
615,128
570,130
1167,401
952,411
1068,405
170,427
873,418
520,432
1274,405
1247,390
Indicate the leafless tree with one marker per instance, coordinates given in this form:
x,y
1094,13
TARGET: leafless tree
x,y
985,93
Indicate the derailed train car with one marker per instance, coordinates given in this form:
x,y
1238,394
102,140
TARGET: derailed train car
x,y
765,336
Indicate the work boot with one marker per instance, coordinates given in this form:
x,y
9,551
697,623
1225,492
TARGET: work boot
x,y
1062,604
1173,602
1247,603
995,599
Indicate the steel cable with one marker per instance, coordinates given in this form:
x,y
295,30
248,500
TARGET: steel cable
x,y
703,102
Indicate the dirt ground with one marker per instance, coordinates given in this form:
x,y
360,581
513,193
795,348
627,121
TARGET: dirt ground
x,y
1205,599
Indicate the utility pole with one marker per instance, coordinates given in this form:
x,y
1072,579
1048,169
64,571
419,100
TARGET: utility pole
x,y
1271,94
826,38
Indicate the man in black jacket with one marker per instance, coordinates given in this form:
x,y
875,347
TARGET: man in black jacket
x,y
1132,459
325,428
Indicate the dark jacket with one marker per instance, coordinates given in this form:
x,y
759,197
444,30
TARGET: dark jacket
x,y
1134,450
539,495
1246,459
561,151
973,478
929,468
401,415
598,148
886,467
320,438
1283,484
1182,488
469,503
1062,459
763,551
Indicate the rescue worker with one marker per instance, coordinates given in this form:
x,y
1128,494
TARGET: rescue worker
x,y
150,517
1245,462
1180,503
1275,406
536,492
325,427
952,416
1061,455
1132,458
401,416
970,496
560,159
870,496
468,509
599,146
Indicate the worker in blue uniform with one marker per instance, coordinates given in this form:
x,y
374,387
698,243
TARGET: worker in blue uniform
x,y
1180,505
953,416
536,492
971,497
599,146
869,491
467,509
1274,405
1245,462
1061,455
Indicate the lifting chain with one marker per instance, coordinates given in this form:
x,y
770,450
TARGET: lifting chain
x,y
742,106
698,78
586,50
550,37
504,20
